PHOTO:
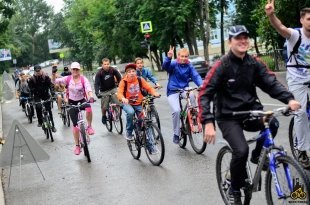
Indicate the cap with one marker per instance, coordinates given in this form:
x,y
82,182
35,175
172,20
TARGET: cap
x,y
54,69
130,65
66,68
237,30
37,68
75,65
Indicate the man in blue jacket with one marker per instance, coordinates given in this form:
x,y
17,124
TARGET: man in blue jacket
x,y
145,72
180,71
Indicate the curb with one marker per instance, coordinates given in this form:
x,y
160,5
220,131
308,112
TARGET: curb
x,y
2,201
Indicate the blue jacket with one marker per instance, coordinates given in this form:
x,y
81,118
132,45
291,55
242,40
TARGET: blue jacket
x,y
147,75
180,75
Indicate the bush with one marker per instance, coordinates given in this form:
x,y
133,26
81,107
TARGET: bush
x,y
269,61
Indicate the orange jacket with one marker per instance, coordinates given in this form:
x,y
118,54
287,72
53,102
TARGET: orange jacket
x,y
133,91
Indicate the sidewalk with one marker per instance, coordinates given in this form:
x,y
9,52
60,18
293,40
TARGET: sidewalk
x,y
2,201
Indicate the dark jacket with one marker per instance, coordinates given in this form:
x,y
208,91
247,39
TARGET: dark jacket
x,y
231,84
41,87
105,81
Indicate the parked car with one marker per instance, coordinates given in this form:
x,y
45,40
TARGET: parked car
x,y
200,64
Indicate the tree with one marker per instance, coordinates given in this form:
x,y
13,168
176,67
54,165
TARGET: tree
x,y
6,12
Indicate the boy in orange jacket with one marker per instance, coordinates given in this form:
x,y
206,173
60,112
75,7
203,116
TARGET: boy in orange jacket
x,y
129,92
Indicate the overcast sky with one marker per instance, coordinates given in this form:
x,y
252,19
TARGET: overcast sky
x,y
57,4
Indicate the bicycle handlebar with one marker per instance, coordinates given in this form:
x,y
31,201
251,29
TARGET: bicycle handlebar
x,y
260,113
179,90
79,105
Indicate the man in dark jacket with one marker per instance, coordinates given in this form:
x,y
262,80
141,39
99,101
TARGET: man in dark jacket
x,y
233,79
42,88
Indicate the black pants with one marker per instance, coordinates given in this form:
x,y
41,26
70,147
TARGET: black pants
x,y
232,131
74,111
39,111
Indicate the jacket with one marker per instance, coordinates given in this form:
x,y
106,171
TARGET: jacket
x,y
231,84
41,87
180,75
133,91
147,75
105,80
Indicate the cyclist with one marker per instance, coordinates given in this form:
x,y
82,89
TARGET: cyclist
x,y
58,87
41,88
65,72
78,91
22,89
145,72
233,80
130,93
106,84
297,74
180,71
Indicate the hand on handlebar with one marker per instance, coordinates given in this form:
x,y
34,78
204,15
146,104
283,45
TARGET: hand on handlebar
x,y
125,101
91,100
294,105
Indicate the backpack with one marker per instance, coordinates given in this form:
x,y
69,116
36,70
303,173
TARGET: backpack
x,y
143,91
67,85
294,52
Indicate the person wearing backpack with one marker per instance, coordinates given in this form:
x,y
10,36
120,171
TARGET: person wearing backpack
x,y
41,88
105,85
181,72
231,86
298,48
78,91
145,72
130,93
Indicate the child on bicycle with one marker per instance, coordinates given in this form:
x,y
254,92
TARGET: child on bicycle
x,y
180,71
78,91
129,92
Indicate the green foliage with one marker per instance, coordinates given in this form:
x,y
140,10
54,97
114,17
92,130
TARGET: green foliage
x,y
269,61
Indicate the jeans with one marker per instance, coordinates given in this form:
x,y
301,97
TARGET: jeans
x,y
130,110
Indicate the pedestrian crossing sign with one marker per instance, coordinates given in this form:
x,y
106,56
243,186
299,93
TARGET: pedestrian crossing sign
x,y
146,26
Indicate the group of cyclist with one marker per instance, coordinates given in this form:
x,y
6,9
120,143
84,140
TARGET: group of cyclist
x,y
230,85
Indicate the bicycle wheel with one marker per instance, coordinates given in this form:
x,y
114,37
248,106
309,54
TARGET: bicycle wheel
x,y
49,128
134,146
153,114
63,115
292,180
195,134
293,139
223,171
183,136
117,119
85,146
109,122
68,118
155,146
29,113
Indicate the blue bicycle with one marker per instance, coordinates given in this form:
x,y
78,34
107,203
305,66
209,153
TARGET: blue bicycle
x,y
285,183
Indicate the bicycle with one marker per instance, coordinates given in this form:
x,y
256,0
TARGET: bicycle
x,y
83,138
47,123
190,123
29,111
291,133
147,135
114,115
285,178
153,114
64,114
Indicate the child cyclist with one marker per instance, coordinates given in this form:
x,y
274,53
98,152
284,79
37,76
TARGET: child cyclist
x,y
129,92
78,91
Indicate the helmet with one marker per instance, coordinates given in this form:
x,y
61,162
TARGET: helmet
x,y
54,69
130,65
66,68
37,68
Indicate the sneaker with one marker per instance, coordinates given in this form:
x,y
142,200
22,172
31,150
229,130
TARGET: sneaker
x,y
176,139
254,159
54,129
77,150
129,137
90,130
104,120
234,197
304,159
152,149
39,125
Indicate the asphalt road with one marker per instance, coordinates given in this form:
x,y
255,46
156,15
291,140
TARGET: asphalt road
x,y
113,176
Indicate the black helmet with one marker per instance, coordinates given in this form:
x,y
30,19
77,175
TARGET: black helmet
x,y
54,69
37,68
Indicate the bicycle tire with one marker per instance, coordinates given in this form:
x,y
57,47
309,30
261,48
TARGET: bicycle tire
x,y
223,171
29,113
293,139
109,122
85,145
297,173
156,138
117,121
196,141
183,136
68,118
63,115
134,146
154,114
49,128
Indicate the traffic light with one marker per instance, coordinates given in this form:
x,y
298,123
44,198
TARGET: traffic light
x,y
144,44
147,37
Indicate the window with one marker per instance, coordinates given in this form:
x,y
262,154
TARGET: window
x,y
213,35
